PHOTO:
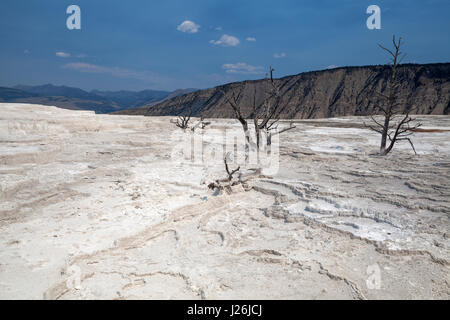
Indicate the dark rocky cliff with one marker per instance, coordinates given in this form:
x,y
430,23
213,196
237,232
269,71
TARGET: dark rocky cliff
x,y
321,94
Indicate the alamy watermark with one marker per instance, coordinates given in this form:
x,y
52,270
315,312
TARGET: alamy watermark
x,y
210,149
73,282
73,22
373,282
374,21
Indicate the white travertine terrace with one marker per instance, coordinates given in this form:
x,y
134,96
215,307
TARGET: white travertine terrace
x,y
94,207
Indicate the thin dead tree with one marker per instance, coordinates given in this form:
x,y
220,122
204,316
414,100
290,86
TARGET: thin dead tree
x,y
264,116
395,127
272,110
183,121
234,102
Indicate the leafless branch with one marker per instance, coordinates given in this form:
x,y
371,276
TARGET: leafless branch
x,y
183,121
229,179
230,173
291,126
390,129
200,124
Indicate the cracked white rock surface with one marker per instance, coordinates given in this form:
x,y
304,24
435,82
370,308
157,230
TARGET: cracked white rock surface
x,y
94,207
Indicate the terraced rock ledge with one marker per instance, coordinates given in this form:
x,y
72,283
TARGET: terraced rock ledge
x,y
97,207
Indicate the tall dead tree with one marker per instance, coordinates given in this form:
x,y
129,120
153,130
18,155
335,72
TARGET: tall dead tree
x,y
395,127
264,116
272,109
234,102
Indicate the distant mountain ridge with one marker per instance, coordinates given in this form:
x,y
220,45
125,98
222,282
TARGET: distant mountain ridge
x,y
8,94
58,91
78,99
141,110
132,99
344,91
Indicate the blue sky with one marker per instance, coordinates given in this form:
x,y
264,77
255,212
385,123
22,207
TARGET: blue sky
x,y
135,45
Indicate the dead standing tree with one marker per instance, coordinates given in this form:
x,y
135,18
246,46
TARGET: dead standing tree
x,y
272,109
183,121
390,129
265,117
233,101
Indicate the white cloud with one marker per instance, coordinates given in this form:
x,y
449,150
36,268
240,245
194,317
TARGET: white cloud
x,y
332,66
62,54
242,68
81,55
218,29
226,41
26,51
252,39
279,55
188,27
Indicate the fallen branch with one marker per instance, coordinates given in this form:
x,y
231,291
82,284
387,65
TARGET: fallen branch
x,y
229,179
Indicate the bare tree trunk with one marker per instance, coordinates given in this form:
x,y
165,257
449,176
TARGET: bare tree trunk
x,y
234,103
257,133
247,134
402,128
384,135
271,109
183,121
269,138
